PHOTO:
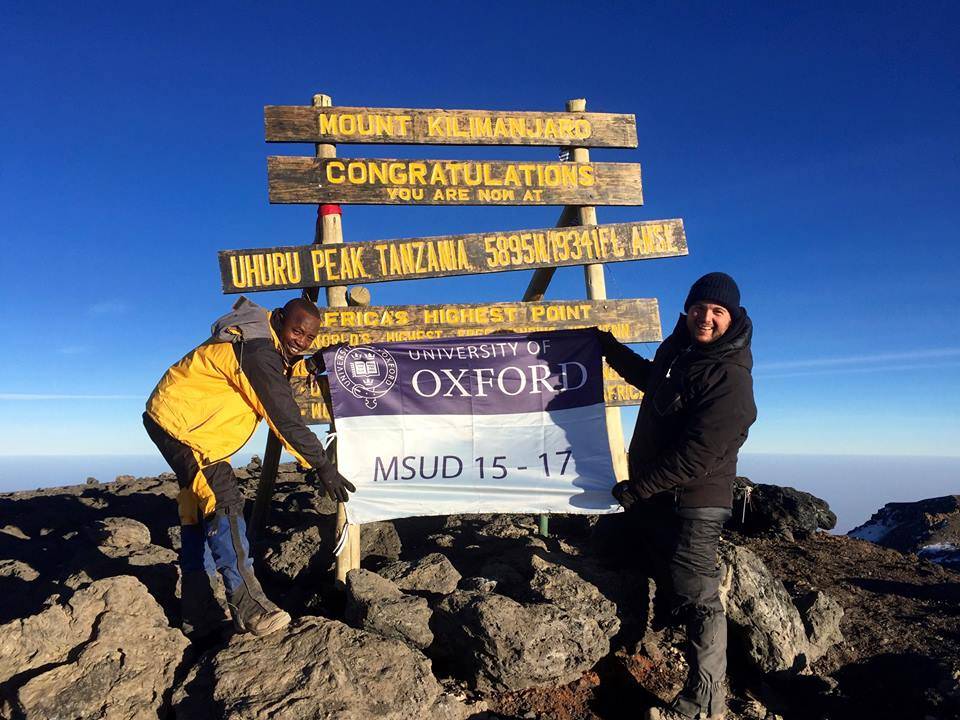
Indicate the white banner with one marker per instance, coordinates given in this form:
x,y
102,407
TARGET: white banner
x,y
502,423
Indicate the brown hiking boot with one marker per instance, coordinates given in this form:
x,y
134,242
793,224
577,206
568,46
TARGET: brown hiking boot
x,y
256,615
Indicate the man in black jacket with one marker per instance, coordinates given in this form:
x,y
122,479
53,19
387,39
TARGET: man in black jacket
x,y
696,410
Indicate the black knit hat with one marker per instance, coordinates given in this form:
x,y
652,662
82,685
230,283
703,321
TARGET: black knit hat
x,y
716,287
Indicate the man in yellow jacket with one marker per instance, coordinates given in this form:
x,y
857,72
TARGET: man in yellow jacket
x,y
202,411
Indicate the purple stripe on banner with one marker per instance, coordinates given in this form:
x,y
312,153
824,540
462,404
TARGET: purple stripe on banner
x,y
484,375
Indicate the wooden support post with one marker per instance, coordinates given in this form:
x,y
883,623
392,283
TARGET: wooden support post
x,y
268,476
537,287
358,295
330,231
597,290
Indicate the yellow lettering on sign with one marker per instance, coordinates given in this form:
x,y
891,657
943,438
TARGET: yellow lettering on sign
x,y
378,173
398,173
279,265
334,172
357,173
348,124
619,249
237,275
541,251
316,256
435,125
496,195
327,124
585,175
330,262
482,127
418,173
403,123
252,271
473,174
437,176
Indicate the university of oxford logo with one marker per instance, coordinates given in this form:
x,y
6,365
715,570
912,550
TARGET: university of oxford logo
x,y
367,373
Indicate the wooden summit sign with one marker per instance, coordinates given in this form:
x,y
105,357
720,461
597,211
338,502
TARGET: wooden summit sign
x,y
367,181
400,126
300,266
576,183
636,320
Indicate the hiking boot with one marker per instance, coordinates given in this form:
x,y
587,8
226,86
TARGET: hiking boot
x,y
203,616
666,713
256,615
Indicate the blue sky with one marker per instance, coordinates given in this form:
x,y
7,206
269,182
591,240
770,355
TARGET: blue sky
x,y
811,149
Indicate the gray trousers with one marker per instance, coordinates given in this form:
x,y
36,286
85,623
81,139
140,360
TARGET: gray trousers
x,y
681,547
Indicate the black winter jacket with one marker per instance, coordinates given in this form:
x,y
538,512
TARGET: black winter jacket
x,y
697,407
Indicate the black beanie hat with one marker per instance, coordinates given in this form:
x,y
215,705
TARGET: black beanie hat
x,y
716,287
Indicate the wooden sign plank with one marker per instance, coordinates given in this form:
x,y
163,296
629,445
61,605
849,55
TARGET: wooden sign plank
x,y
617,392
410,126
634,320
299,266
364,181
309,395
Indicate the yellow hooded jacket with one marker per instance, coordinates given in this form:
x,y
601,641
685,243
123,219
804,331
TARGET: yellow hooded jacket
x,y
213,399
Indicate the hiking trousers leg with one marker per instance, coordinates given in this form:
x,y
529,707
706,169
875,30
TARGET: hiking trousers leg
x,y
695,580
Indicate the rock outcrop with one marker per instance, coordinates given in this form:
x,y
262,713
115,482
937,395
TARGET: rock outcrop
x,y
497,643
314,668
930,528
433,573
820,625
765,621
778,511
376,604
107,652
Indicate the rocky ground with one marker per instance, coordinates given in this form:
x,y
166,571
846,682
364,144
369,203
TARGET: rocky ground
x,y
472,616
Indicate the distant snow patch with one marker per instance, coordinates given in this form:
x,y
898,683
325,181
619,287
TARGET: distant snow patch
x,y
872,531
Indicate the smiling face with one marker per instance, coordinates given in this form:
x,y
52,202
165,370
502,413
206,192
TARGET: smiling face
x,y
706,321
298,331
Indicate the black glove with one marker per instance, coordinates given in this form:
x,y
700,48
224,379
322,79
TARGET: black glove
x,y
315,364
607,341
625,493
333,482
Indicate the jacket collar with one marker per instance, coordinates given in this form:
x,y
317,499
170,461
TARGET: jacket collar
x,y
733,346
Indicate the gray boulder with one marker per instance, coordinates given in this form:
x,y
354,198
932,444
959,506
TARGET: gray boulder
x,y
123,538
376,604
433,573
295,553
821,615
106,653
497,643
315,668
17,569
567,590
380,541
115,535
779,511
764,619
